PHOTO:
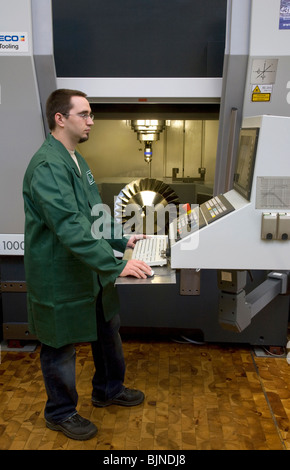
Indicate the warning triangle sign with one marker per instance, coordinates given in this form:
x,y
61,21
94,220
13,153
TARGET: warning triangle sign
x,y
257,90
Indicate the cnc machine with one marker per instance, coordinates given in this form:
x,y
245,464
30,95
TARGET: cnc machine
x,y
227,273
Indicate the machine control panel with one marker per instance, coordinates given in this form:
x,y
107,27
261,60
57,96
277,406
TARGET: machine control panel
x,y
189,222
216,208
198,217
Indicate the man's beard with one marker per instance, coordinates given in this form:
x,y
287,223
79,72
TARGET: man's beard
x,y
83,139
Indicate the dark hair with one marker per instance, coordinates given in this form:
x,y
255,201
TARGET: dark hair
x,y
60,102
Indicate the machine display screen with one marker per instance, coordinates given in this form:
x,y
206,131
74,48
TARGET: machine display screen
x,y
243,176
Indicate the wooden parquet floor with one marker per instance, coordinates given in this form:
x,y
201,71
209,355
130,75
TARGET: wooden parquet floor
x,y
198,397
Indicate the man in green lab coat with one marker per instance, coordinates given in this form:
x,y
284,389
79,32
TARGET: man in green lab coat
x,y
70,273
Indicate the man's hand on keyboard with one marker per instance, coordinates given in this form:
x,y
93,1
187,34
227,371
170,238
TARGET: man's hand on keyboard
x,y
136,268
132,240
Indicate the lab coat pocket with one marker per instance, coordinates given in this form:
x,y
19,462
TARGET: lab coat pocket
x,y
73,280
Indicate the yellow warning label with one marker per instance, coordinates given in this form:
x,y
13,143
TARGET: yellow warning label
x,y
261,97
257,90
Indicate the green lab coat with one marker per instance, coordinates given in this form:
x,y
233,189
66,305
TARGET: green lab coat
x,y
65,266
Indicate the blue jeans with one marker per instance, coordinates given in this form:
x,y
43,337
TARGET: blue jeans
x,y
58,368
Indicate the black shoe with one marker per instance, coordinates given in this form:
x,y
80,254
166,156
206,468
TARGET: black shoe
x,y
75,427
127,397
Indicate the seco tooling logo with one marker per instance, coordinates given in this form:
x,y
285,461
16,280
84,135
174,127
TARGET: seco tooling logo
x,y
13,42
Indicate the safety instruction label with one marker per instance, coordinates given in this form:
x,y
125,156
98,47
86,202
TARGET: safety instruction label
x,y
284,20
261,93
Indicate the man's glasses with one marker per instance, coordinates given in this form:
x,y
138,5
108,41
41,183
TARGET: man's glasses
x,y
83,116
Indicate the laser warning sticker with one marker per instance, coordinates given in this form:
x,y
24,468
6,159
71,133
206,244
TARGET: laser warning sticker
x,y
261,93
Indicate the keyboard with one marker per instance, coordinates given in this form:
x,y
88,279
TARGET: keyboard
x,y
151,250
